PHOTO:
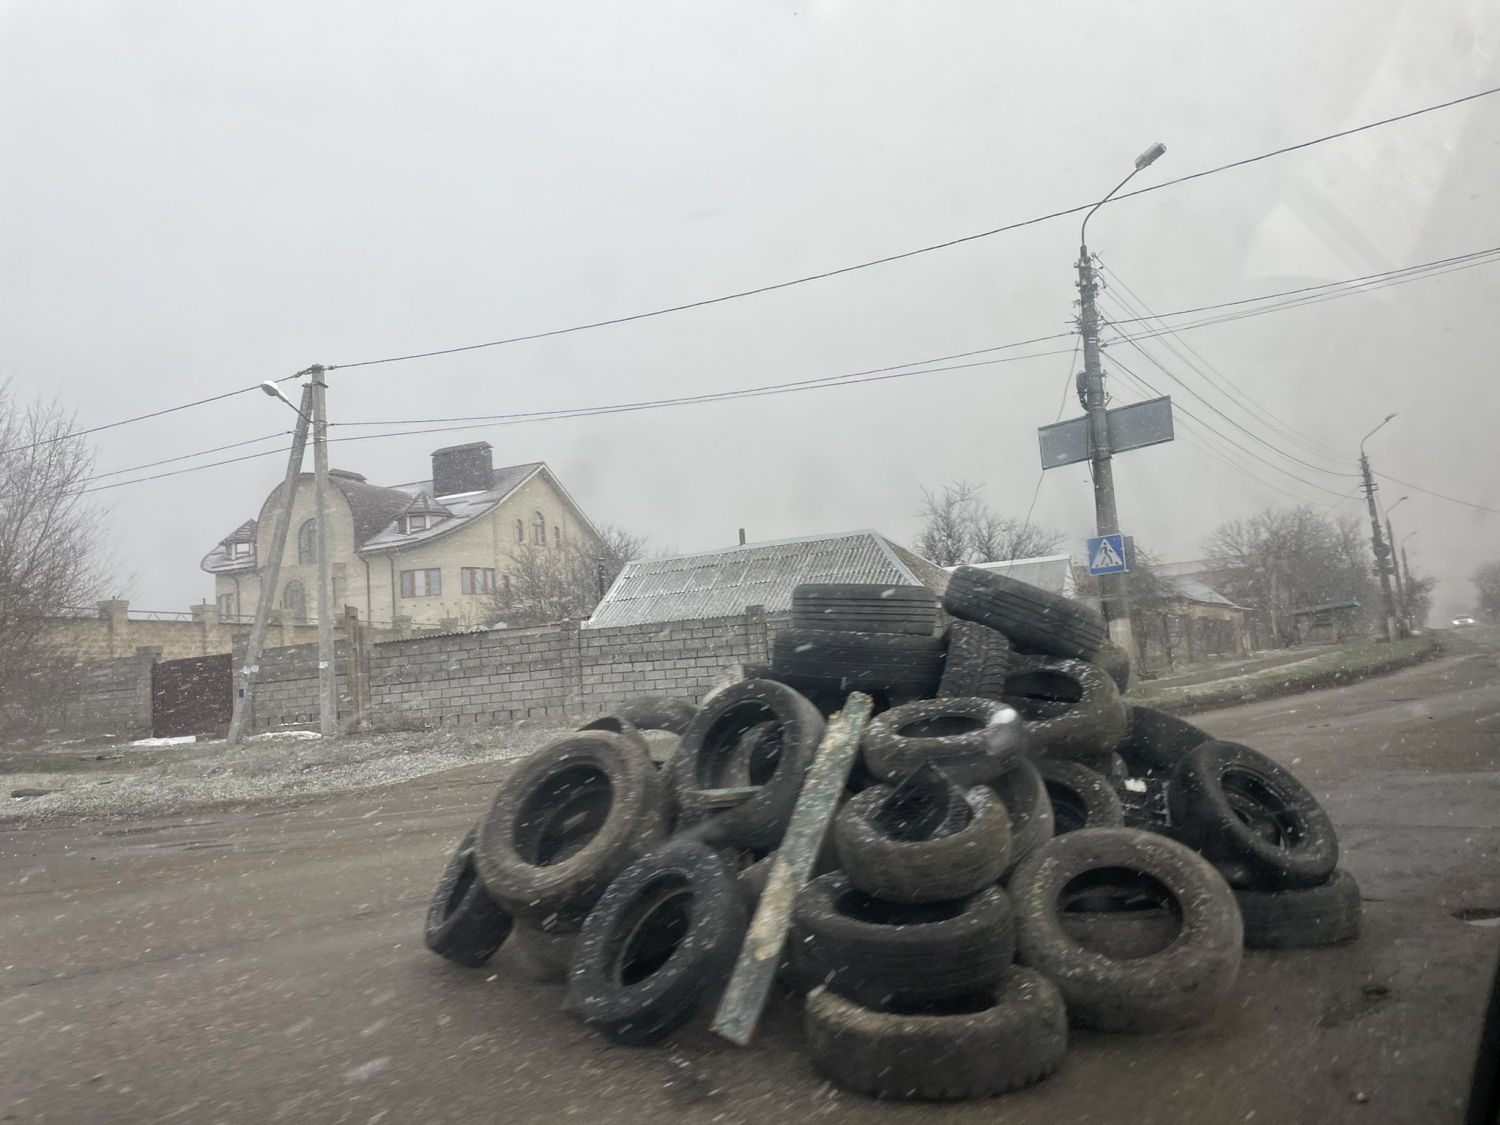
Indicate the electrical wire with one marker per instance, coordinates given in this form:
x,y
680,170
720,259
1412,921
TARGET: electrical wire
x,y
126,421
1440,495
707,301
1061,406
188,456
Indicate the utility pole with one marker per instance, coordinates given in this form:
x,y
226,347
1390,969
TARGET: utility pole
x,y
1113,596
272,569
1406,601
1377,542
328,692
1390,538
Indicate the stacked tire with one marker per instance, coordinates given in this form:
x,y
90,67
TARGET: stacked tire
x,y
1017,850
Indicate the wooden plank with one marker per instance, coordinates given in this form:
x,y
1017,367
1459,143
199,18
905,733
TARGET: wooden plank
x,y
706,799
750,984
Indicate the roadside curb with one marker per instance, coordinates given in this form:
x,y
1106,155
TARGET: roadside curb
x,y
1231,696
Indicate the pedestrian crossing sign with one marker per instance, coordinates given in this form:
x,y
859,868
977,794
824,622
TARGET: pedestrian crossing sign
x,y
1107,554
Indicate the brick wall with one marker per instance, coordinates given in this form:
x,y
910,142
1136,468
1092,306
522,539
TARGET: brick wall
x,y
109,697
286,687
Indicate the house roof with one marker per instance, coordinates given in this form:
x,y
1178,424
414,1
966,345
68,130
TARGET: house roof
x,y
424,505
1196,591
221,559
722,583
373,506
461,507
1053,573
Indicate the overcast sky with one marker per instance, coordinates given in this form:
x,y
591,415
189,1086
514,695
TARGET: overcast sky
x,y
198,196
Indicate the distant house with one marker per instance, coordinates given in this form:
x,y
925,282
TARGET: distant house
x,y
725,582
432,552
1053,573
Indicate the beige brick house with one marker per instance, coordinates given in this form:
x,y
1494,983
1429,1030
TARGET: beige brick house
x,y
432,552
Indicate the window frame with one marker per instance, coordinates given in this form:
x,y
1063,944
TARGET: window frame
x,y
307,552
240,550
467,576
538,529
417,523
432,582
298,606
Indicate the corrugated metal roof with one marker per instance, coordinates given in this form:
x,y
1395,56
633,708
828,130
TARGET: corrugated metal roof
x,y
722,583
1195,591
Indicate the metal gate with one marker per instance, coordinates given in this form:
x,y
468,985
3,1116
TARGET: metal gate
x,y
193,696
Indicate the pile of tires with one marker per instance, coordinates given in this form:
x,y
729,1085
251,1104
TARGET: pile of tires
x,y
1018,851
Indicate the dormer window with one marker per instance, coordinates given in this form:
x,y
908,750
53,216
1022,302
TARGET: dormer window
x,y
416,523
239,550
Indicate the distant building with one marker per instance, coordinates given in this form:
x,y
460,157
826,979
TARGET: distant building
x,y
432,552
723,583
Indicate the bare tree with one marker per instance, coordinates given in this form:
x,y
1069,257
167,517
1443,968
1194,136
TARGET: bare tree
x,y
1487,585
561,583
49,533
959,527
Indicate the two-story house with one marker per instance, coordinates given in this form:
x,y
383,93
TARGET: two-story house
x,y
424,553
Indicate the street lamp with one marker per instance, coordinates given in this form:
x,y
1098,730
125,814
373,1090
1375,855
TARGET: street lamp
x,y
272,388
1371,434
1113,598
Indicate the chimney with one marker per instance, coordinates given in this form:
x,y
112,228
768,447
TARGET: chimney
x,y
462,468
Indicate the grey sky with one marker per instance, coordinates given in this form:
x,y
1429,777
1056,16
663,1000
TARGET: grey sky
x,y
195,197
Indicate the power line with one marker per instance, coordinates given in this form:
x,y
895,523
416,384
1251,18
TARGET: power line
x,y
1061,406
188,456
125,421
1440,495
707,301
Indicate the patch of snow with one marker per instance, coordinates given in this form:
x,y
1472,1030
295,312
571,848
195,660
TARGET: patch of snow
x,y
179,740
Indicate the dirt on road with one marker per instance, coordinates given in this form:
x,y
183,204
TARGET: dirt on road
x,y
265,964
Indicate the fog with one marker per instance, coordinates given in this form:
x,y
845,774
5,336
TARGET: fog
x,y
195,198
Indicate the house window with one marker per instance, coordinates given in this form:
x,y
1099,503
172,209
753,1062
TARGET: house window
x,y
477,580
538,529
416,523
520,532
228,611
421,583
307,542
239,550
505,579
557,535
294,598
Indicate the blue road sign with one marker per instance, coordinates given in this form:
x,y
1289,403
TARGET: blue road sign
x,y
1107,554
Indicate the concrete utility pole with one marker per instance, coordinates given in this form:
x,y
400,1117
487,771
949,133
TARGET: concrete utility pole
x,y
1406,601
1377,541
1113,595
271,572
1390,538
328,691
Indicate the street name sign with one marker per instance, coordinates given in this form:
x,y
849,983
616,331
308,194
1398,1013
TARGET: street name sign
x,y
1130,427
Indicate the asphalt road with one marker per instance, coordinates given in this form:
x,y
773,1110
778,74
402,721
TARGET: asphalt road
x,y
267,965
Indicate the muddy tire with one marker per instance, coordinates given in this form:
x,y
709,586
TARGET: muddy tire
x,y
1070,708
977,662
758,733
1024,795
895,664
616,724
566,822
865,608
880,953
1032,618
1002,1038
1155,742
464,924
1251,818
922,870
1176,988
658,712
1302,919
1080,797
971,740
539,956
659,945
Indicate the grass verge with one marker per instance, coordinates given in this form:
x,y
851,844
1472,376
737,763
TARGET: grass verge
x,y
1329,669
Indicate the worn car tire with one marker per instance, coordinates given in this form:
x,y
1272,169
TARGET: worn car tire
x,y
767,732
1155,741
1116,661
567,821
1080,797
658,712
1176,988
1251,818
464,924
614,723
1024,795
1304,918
1039,620
977,662
922,870
865,608
1069,708
879,953
1111,765
892,663
659,944
971,740
1005,1037
540,956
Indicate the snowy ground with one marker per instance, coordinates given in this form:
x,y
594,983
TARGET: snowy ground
x,y
108,780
